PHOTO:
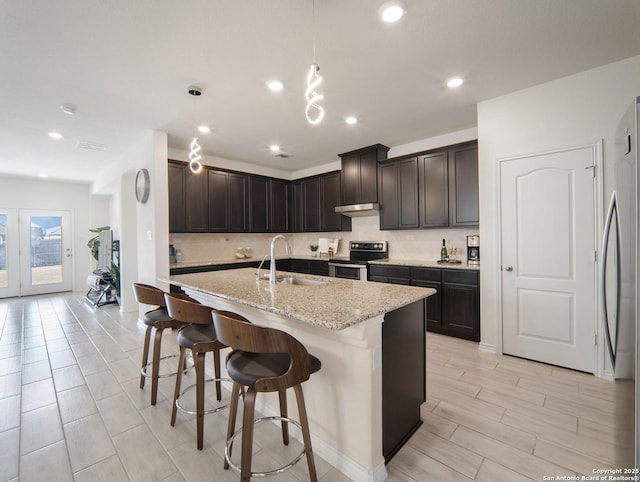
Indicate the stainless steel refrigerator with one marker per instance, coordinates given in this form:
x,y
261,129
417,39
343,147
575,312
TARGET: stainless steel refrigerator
x,y
619,267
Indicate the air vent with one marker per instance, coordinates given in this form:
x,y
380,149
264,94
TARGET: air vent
x,y
92,146
282,155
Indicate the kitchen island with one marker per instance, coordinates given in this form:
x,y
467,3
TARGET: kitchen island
x,y
365,401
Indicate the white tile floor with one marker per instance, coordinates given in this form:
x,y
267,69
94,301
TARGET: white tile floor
x,y
71,409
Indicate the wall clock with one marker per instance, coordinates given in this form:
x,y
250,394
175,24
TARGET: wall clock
x,y
142,185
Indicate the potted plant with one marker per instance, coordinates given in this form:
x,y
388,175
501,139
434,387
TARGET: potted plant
x,y
314,249
114,284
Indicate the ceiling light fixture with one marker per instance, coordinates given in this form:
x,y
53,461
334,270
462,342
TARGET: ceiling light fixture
x,y
274,148
454,82
351,120
275,85
43,175
194,148
313,110
69,109
55,135
204,129
392,11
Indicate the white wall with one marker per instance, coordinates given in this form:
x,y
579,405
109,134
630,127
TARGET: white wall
x,y
17,193
575,110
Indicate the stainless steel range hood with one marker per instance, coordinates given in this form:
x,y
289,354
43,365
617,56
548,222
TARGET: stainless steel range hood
x,y
359,210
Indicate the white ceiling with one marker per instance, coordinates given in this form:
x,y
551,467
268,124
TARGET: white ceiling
x,y
127,64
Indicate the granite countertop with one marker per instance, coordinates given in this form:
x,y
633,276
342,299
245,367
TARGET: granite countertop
x,y
216,262
336,305
422,263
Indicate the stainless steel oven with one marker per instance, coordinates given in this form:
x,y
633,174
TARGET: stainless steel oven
x,y
356,266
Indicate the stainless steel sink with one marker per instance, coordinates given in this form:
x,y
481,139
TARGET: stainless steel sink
x,y
291,280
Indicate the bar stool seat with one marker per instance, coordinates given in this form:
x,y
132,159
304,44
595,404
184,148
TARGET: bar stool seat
x,y
191,335
157,319
247,368
264,360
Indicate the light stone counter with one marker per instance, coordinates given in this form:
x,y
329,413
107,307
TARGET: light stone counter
x,y
426,263
218,262
336,305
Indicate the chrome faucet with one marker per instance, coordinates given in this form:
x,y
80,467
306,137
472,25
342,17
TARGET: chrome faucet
x,y
272,252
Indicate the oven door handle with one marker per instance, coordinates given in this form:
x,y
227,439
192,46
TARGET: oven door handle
x,y
342,265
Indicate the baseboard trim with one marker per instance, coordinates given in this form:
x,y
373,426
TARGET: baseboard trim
x,y
487,348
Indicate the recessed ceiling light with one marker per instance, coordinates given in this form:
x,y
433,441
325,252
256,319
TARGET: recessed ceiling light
x,y
275,85
351,120
43,176
454,82
274,147
55,135
392,11
204,129
68,109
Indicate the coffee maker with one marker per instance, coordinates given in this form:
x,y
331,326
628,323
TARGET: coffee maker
x,y
473,249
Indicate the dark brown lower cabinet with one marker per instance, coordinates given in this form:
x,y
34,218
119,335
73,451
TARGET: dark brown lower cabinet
x,y
454,309
403,375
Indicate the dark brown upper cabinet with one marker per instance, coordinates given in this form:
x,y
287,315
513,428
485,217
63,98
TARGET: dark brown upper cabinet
x,y
446,191
398,194
228,206
279,206
433,180
315,199
259,204
359,180
177,199
197,201
463,186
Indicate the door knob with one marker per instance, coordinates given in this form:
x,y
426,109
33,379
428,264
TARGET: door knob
x,y
508,268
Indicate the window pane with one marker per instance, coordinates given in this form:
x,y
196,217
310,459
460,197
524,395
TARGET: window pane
x,y
46,250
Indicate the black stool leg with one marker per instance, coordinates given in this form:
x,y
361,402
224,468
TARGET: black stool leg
x,y
233,410
176,393
283,413
198,358
247,434
145,353
155,369
302,411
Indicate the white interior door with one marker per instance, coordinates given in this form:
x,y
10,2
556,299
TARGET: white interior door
x,y
41,259
548,244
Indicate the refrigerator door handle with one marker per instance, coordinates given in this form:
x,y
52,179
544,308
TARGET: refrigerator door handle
x,y
612,211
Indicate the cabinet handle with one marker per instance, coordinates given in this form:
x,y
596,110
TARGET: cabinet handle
x,y
508,268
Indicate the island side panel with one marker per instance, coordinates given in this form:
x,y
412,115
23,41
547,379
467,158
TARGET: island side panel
x,y
403,375
343,399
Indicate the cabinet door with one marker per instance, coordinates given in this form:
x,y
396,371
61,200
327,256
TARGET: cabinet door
x,y
259,205
279,206
177,199
463,187
330,198
461,311
388,196
408,216
433,179
197,189
238,203
311,205
218,202
351,179
298,207
433,305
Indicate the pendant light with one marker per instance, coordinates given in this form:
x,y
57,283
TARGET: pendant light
x,y
195,149
313,110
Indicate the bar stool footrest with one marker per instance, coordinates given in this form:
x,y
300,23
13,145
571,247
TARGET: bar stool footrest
x,y
284,468
192,386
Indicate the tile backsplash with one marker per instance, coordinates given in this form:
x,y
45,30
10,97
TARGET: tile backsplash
x,y
422,244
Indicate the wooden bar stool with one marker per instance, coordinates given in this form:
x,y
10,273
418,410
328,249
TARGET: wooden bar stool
x,y
157,319
264,360
199,336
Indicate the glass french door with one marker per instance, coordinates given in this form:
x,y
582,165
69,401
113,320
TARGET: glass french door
x,y
35,252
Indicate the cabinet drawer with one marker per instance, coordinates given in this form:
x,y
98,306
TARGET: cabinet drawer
x,y
391,271
426,274
460,276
